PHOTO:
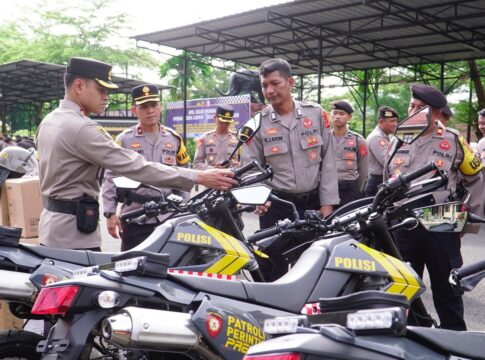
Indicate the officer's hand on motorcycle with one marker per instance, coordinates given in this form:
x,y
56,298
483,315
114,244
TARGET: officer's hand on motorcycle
x,y
220,179
262,209
326,210
113,223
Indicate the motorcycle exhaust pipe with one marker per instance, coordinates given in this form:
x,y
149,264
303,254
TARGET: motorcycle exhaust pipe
x,y
138,328
15,286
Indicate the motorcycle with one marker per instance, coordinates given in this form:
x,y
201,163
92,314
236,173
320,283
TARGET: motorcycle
x,y
372,325
203,235
141,309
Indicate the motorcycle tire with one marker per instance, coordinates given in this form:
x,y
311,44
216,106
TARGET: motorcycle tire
x,y
19,344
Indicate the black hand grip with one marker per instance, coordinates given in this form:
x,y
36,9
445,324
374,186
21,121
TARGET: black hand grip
x,y
132,214
263,234
468,270
407,178
241,170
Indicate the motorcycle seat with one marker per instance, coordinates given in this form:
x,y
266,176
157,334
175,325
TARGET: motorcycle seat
x,y
299,282
80,257
292,290
466,344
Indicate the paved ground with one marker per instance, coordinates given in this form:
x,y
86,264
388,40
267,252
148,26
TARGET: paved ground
x,y
473,249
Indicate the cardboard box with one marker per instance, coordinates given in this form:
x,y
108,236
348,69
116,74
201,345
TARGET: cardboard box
x,y
4,218
7,320
24,204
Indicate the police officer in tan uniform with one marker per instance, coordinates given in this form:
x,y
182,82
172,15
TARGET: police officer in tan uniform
x,y
378,147
350,154
481,127
439,252
214,147
72,148
295,140
154,142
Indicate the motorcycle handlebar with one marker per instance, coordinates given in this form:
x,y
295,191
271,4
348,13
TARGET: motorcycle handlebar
x,y
407,178
468,270
263,234
245,168
132,214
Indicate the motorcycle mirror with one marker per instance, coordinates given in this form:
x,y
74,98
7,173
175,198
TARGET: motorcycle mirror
x,y
447,217
122,182
411,128
252,195
245,133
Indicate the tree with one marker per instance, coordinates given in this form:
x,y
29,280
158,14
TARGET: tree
x,y
70,29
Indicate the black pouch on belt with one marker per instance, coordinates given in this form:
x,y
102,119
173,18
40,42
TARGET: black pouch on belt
x,y
87,214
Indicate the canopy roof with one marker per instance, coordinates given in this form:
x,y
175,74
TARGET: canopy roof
x,y
28,81
344,34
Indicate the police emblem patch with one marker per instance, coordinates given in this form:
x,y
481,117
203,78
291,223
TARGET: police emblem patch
x,y
272,131
445,145
307,123
135,145
275,149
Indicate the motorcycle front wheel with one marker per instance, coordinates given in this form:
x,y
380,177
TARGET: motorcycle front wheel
x,y
19,344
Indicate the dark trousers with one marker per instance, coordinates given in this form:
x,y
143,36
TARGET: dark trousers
x,y
280,211
135,234
439,252
373,181
348,191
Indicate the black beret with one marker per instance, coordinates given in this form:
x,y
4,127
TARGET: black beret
x,y
92,69
428,94
445,110
387,112
225,113
342,105
144,93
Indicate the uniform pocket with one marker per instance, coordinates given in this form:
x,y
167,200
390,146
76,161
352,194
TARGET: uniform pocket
x,y
350,160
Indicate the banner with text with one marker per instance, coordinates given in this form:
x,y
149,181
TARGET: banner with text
x,y
200,114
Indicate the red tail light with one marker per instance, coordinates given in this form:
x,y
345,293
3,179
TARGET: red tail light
x,y
55,300
283,356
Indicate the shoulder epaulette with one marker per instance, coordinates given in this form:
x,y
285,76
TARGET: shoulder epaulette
x,y
309,104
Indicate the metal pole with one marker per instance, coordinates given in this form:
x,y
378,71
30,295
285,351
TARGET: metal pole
x,y
469,122
364,111
186,60
442,78
301,87
320,66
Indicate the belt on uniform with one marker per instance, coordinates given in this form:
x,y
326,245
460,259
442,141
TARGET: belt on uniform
x,y
60,206
296,198
347,184
141,199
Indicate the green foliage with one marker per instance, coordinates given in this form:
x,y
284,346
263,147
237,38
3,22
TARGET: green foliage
x,y
191,145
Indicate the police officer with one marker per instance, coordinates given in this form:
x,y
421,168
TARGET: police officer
x,y
446,115
72,148
154,142
378,147
350,153
439,252
214,147
481,127
295,140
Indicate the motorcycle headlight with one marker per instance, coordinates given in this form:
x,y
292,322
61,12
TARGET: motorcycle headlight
x,y
377,321
108,299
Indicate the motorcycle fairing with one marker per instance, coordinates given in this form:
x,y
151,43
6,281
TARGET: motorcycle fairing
x,y
229,326
355,257
232,255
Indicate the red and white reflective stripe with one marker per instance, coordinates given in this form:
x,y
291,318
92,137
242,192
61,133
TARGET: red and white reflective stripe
x,y
311,309
203,274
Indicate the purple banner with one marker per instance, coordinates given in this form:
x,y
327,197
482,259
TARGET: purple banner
x,y
200,114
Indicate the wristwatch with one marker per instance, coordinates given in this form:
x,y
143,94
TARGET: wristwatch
x,y
107,215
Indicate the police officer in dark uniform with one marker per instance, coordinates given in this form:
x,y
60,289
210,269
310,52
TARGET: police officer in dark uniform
x,y
350,153
439,252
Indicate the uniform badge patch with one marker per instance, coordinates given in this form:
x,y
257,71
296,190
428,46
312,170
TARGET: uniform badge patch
x,y
213,323
313,155
382,143
211,142
439,131
439,163
398,161
351,142
307,123
169,160
169,145
363,150
135,145
445,145
326,122
312,140
275,149
272,131
211,158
